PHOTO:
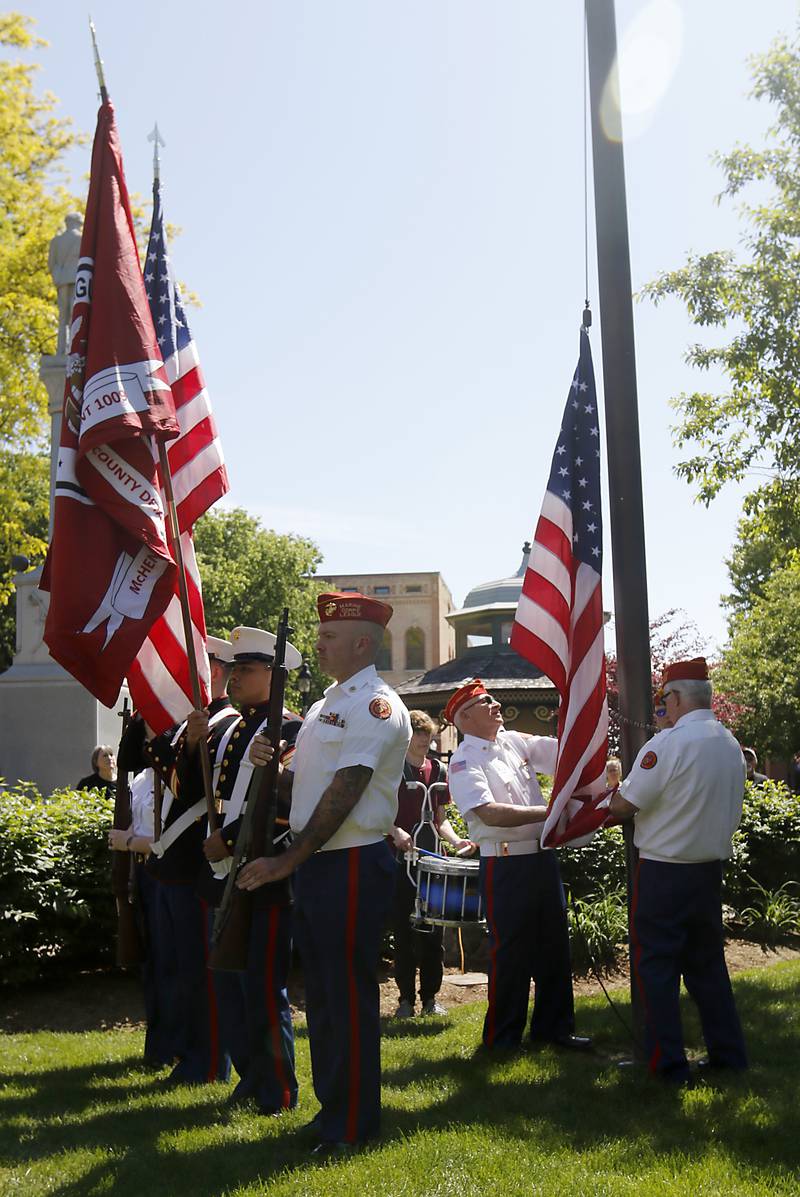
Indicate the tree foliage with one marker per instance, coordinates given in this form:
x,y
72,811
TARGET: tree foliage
x,y
32,207
56,908
761,666
32,142
754,426
767,535
673,637
25,492
250,574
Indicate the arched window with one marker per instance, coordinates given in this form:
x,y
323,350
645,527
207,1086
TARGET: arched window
x,y
383,662
415,648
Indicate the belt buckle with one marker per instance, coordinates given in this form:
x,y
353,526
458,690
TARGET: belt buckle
x,y
504,848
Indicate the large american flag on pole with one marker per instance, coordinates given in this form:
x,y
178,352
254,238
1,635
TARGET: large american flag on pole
x,y
159,677
559,621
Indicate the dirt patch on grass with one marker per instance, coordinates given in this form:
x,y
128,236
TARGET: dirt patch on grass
x,y
112,999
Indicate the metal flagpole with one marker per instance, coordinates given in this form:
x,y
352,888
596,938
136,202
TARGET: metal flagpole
x,y
177,552
621,411
188,629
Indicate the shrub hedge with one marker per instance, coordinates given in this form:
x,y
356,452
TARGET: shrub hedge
x,y
57,913
56,910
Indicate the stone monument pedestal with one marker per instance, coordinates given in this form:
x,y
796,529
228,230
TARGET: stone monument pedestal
x,y
49,724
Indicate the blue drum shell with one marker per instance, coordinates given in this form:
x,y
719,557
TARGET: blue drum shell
x,y
432,894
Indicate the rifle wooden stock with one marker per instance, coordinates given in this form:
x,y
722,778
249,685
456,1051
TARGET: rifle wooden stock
x,y
230,939
130,949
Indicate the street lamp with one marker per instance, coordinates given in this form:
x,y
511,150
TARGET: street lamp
x,y
304,685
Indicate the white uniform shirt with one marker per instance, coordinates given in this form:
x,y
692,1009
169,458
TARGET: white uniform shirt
x,y
358,722
142,804
503,770
688,785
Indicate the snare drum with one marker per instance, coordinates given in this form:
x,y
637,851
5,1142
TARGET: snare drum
x,y
447,892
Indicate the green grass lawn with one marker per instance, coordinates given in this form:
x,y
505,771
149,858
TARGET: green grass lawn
x,y
79,1116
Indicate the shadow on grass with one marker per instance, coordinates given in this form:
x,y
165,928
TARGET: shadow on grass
x,y
569,1102
416,1028
569,1096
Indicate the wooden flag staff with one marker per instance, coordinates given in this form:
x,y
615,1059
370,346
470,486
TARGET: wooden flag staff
x,y
175,538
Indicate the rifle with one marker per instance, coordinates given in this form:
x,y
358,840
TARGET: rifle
x,y
130,949
230,938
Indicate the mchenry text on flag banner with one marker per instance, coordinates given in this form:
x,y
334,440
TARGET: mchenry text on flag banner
x,y
159,677
559,621
109,569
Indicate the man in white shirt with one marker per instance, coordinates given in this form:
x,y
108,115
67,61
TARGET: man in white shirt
x,y
343,782
493,783
685,792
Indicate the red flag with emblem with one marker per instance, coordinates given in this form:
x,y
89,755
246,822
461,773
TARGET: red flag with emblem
x,y
109,570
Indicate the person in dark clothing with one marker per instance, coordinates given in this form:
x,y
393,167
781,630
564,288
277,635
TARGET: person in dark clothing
x,y
104,772
255,1023
751,763
418,949
180,916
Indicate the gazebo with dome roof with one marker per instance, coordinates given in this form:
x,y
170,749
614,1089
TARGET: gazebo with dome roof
x,y
483,629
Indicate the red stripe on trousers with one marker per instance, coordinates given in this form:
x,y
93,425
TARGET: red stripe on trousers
x,y
652,1063
213,1021
272,1007
352,991
490,1013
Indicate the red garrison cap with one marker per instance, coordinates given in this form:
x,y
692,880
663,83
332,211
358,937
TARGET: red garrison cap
x,y
695,670
472,688
337,605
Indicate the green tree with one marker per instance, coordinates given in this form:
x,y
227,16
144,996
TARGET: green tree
x,y
32,207
250,574
767,534
753,427
760,667
25,491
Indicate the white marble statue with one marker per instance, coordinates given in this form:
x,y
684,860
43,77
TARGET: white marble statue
x,y
65,250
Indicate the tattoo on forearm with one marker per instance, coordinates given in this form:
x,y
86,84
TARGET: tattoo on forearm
x,y
332,809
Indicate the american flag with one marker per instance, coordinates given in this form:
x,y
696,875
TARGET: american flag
x,y
559,621
159,678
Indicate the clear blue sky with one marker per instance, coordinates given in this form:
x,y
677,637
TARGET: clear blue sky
x,y
382,210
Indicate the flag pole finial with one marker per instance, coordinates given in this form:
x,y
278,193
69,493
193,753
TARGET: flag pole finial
x,y
98,64
157,141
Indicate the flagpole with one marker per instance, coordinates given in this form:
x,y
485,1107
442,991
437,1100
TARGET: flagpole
x,y
188,630
177,551
621,410
98,64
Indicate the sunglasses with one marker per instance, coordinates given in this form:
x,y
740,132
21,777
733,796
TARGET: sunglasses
x,y
485,700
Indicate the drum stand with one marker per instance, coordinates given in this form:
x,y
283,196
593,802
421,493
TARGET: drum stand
x,y
450,896
413,854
